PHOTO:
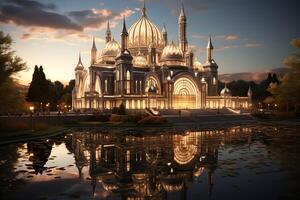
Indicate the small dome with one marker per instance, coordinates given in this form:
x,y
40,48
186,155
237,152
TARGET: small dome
x,y
225,91
139,60
172,53
112,48
198,65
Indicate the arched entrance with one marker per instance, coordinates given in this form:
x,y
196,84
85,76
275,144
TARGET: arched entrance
x,y
185,94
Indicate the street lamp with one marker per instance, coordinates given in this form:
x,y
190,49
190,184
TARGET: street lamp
x,y
31,108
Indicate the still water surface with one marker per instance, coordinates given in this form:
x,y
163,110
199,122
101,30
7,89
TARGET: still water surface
x,y
244,162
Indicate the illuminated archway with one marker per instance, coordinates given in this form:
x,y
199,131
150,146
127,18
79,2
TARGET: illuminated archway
x,y
185,148
185,93
152,81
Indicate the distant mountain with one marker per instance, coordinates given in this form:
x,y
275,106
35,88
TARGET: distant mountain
x,y
252,76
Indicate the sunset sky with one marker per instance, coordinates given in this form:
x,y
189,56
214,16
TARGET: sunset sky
x,y
248,35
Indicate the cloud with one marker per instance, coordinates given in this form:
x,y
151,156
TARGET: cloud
x,y
32,4
97,18
38,18
253,45
32,13
227,47
220,37
296,42
227,37
256,76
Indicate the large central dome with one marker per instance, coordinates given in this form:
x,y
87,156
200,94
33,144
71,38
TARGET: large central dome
x,y
143,33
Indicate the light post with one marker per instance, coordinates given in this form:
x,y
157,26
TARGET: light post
x,y
47,105
31,108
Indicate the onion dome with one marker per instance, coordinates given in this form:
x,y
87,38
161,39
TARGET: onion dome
x,y
139,60
225,91
172,52
143,32
112,48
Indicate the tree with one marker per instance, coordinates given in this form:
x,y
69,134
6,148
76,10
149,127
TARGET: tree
x,y
286,91
10,64
40,88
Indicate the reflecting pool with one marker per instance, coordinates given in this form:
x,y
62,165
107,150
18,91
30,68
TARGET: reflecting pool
x,y
243,162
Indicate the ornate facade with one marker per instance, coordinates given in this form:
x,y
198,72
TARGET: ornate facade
x,y
146,70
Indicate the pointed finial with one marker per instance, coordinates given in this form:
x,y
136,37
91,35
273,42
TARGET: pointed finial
x,y
144,8
79,65
209,43
164,30
182,12
79,61
124,31
94,44
108,26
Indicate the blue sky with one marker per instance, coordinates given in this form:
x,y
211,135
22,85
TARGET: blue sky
x,y
248,35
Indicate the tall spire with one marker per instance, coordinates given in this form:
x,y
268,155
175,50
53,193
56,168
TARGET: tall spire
x,y
182,12
79,61
164,30
94,44
165,35
182,22
108,33
209,49
93,52
124,36
108,27
144,8
209,43
124,30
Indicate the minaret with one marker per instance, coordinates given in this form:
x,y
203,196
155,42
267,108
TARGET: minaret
x,y
124,37
108,33
165,35
124,66
93,53
209,50
182,22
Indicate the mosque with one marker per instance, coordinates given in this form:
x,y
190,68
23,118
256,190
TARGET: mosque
x,y
145,70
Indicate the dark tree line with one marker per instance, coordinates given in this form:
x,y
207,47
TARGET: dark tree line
x,y
42,91
11,98
259,90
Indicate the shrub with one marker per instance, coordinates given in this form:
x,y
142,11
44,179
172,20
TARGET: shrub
x,y
153,120
122,110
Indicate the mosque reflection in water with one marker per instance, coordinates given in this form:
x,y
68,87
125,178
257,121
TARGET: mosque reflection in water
x,y
142,166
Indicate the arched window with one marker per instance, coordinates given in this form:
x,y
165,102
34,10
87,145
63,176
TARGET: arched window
x,y
128,82
128,75
106,86
214,82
